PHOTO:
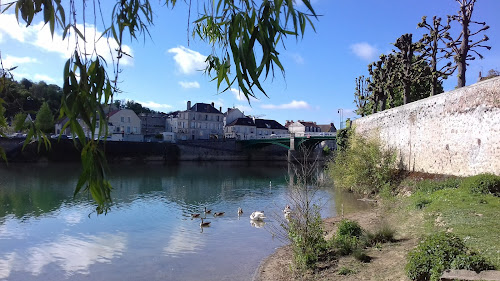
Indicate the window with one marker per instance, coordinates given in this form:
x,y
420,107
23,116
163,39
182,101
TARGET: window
x,y
128,129
129,119
122,119
135,130
206,116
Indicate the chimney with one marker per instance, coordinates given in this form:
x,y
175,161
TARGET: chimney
x,y
220,109
189,105
331,124
212,104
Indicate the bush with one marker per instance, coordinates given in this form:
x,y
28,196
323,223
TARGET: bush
x,y
307,238
483,183
349,228
421,202
471,262
439,252
384,234
344,244
363,166
361,255
429,186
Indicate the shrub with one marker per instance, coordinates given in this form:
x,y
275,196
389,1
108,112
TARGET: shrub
x,y
383,235
345,271
483,183
429,186
421,202
363,166
307,238
349,228
326,150
438,252
344,244
471,262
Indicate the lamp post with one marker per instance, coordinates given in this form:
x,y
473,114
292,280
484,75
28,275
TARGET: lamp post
x,y
340,111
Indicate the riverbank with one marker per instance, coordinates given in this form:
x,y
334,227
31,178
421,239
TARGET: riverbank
x,y
424,204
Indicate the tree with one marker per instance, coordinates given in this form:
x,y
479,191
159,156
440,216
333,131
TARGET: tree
x,y
433,51
362,95
19,122
237,29
461,46
409,63
45,119
382,80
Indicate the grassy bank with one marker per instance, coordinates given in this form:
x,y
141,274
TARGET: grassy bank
x,y
448,206
453,220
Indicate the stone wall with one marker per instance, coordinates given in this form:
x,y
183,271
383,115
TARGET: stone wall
x,y
455,133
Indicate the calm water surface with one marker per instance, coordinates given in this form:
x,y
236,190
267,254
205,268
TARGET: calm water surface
x,y
45,234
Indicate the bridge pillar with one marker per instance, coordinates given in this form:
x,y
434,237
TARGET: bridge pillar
x,y
292,141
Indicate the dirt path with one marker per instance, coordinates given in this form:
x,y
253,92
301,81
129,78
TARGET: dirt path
x,y
387,262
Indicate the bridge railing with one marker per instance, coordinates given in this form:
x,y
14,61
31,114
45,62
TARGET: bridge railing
x,y
306,134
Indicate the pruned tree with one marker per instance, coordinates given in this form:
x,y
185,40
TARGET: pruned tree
x,y
434,51
461,47
362,95
382,81
409,63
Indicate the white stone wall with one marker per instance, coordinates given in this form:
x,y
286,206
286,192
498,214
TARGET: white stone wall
x,y
455,133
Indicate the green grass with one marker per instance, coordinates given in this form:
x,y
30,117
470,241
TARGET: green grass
x,y
472,217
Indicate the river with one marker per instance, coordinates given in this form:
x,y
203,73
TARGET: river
x,y
46,234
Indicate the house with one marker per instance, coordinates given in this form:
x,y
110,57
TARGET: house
x,y
231,115
330,128
301,127
199,122
59,124
266,128
124,125
240,129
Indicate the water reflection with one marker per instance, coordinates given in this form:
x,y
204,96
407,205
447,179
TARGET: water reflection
x,y
71,254
47,234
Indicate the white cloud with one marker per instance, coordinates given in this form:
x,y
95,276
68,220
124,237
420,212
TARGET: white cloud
x,y
187,60
364,51
292,105
10,61
42,77
297,58
39,35
154,105
189,85
241,97
9,26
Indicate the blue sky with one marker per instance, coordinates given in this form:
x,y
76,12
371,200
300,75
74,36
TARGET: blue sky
x,y
320,68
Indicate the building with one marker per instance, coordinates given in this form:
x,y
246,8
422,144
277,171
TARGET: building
x,y
152,125
198,122
231,115
301,127
266,128
241,129
330,128
124,125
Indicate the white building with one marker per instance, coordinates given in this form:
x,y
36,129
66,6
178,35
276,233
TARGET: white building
x,y
124,125
301,127
240,129
199,122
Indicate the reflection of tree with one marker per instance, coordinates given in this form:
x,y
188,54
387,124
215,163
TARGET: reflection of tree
x,y
35,190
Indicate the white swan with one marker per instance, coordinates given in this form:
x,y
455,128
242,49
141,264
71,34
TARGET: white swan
x,y
257,215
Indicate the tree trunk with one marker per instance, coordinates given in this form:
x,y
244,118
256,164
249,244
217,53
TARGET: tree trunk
x,y
407,90
464,47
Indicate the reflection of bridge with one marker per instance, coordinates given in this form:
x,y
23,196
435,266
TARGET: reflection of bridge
x,y
291,141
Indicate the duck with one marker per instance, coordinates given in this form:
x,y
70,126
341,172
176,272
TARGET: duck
x,y
257,215
195,215
240,211
218,214
207,211
204,224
